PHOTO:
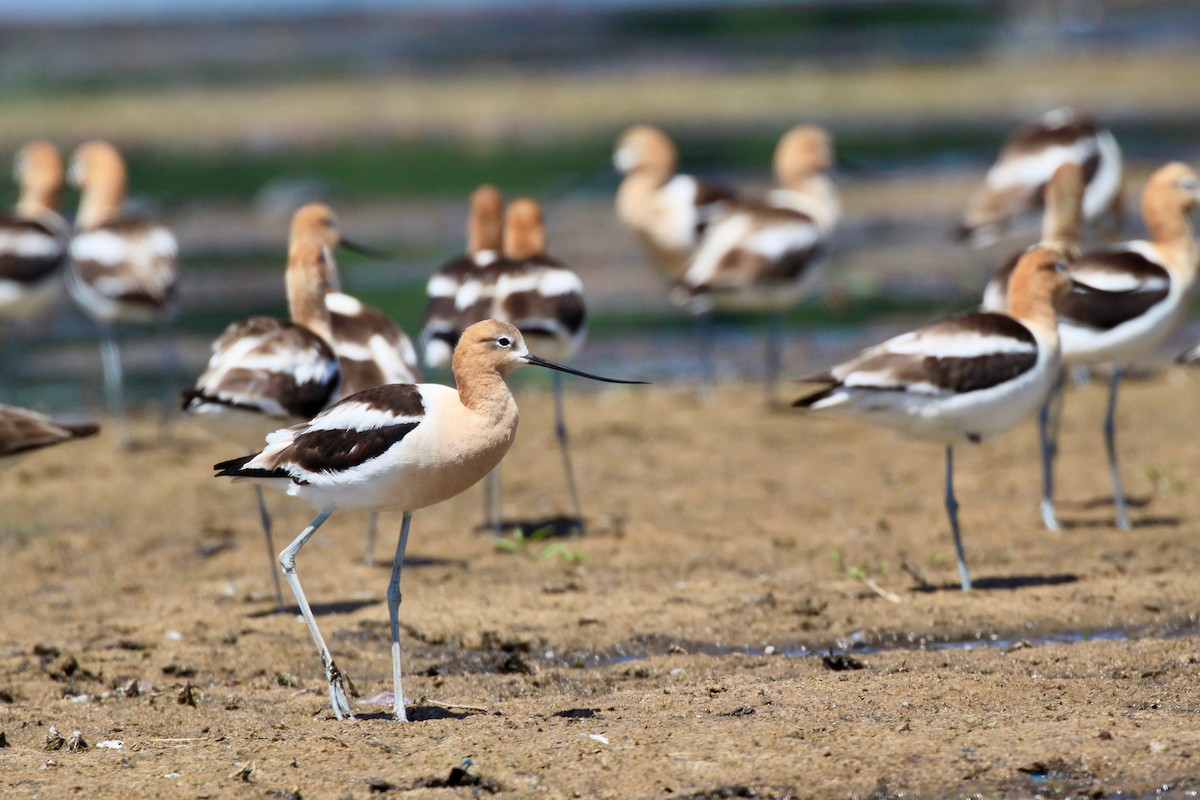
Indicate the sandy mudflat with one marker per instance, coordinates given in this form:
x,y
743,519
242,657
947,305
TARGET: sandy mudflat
x,y
631,662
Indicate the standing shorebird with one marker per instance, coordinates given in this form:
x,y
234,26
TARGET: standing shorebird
x,y
23,431
456,297
122,268
1062,220
397,447
963,379
33,240
508,276
1136,295
543,298
266,373
371,349
1014,184
667,212
760,255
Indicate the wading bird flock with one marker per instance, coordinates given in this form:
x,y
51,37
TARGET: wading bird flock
x,y
327,406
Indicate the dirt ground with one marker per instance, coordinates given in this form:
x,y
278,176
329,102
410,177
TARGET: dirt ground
x,y
673,651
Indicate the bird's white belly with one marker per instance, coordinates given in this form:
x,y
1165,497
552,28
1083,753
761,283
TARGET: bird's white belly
x,y
416,472
951,418
1125,342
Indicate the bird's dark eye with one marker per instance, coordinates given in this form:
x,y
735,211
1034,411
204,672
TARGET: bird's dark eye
x,y
504,341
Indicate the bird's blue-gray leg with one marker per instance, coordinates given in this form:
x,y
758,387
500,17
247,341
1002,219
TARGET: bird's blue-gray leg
x,y
1049,418
333,675
170,376
560,430
952,512
394,615
110,355
9,374
265,516
774,354
372,533
1110,444
706,341
491,502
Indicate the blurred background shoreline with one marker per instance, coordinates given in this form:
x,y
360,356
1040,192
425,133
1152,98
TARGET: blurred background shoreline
x,y
230,114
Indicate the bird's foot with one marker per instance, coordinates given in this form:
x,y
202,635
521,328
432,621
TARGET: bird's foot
x,y
337,694
1049,518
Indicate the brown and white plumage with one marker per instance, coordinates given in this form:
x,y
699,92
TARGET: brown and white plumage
x,y
1061,222
22,431
122,268
372,349
667,212
1014,184
526,287
33,239
396,447
1131,297
455,299
534,291
758,254
963,379
265,373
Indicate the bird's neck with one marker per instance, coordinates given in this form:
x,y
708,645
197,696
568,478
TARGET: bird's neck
x,y
98,205
814,194
1171,230
484,234
635,197
36,201
484,391
1031,300
1060,228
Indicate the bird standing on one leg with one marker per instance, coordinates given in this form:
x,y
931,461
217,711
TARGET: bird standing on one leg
x,y
122,268
266,373
544,298
1061,223
760,255
396,447
963,379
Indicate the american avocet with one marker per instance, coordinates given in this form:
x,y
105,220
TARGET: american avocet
x,y
543,298
963,379
759,255
397,447
23,431
1013,186
33,240
371,349
1140,294
266,373
1061,223
122,268
455,298
667,212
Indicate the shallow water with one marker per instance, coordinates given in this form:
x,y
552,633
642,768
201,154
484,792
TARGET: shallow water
x,y
863,644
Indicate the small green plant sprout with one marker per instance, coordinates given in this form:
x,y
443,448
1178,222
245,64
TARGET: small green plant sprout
x,y
861,574
1160,477
519,542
